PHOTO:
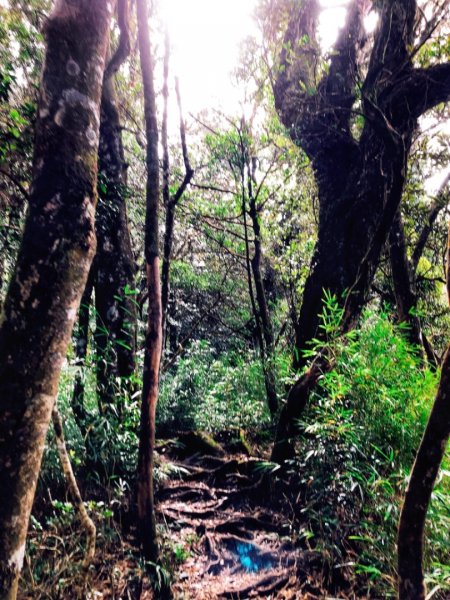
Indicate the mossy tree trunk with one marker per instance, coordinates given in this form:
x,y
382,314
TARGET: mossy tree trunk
x,y
53,263
153,340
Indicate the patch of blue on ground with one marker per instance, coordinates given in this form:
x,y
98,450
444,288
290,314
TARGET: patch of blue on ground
x,y
251,559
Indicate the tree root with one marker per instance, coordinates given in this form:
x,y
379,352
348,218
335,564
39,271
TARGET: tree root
x,y
186,493
265,587
246,522
73,488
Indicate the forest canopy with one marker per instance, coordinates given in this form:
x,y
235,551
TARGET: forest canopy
x,y
224,291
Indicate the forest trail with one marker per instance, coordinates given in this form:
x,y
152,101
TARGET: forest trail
x,y
230,542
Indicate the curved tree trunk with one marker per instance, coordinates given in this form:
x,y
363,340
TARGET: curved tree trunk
x,y
420,487
53,264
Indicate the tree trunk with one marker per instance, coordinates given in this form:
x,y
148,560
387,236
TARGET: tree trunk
x,y
420,487
263,310
171,202
360,182
401,276
53,264
81,345
114,262
153,341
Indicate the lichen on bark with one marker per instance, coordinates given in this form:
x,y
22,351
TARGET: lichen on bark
x,y
53,263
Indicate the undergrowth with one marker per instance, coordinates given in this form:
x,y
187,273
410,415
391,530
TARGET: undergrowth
x,y
359,437
360,434
213,392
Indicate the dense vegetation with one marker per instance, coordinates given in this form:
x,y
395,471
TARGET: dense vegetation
x,y
297,343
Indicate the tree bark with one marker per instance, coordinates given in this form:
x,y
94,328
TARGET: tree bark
x,y
420,487
153,340
53,264
81,345
405,297
114,262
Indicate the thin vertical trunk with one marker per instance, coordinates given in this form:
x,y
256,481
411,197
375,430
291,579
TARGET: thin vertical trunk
x,y
81,346
263,310
170,202
114,262
153,340
423,477
404,279
401,276
248,264
73,489
53,264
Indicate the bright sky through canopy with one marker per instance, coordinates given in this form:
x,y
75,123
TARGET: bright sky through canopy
x,y
205,37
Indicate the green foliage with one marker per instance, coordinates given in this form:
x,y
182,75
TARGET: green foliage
x,y
212,392
361,432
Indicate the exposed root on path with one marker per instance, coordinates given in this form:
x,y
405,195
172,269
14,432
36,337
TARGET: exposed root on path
x,y
235,546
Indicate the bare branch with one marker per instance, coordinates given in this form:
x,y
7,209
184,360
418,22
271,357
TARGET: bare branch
x,y
440,201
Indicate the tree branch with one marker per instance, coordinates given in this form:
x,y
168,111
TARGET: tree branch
x,y
124,47
438,204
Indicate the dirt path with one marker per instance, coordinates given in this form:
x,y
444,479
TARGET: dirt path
x,y
229,542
